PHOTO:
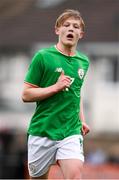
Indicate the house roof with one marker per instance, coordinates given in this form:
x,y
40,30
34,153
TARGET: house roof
x,y
23,23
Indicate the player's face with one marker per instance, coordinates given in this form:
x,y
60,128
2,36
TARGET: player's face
x,y
70,32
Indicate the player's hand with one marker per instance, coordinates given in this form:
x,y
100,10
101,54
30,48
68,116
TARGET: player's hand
x,y
85,128
63,81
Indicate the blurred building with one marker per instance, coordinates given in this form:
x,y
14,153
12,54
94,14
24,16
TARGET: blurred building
x,y
26,26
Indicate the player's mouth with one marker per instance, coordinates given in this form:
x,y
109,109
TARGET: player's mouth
x,y
70,36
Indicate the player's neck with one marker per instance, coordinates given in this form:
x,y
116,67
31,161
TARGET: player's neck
x,y
66,50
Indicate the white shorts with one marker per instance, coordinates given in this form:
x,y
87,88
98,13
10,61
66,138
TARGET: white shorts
x,y
43,152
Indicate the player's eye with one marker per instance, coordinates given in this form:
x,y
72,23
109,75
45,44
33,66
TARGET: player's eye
x,y
66,24
76,26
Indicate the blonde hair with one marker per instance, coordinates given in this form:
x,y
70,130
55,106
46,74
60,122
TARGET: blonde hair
x,y
67,14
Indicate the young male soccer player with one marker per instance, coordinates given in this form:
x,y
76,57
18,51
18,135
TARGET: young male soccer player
x,y
54,81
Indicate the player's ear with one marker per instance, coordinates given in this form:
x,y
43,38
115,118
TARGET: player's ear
x,y
56,31
81,35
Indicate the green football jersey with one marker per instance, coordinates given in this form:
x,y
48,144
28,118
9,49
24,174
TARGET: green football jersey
x,y
57,117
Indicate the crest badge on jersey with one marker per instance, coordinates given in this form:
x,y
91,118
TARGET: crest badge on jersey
x,y
81,73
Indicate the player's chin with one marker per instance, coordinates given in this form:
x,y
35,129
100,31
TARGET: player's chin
x,y
69,43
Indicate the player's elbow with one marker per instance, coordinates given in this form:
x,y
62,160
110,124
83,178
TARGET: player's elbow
x,y
25,97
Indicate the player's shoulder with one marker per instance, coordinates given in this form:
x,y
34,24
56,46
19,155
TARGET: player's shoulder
x,y
83,57
46,50
41,54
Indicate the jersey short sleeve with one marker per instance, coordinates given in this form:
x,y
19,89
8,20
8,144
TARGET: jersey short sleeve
x,y
35,70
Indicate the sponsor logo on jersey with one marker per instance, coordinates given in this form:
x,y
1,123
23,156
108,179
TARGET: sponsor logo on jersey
x,y
59,69
81,73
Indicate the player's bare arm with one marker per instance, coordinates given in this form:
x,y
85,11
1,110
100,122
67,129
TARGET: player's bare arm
x,y
85,127
33,93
